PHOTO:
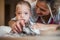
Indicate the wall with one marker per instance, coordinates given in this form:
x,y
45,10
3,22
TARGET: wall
x,y
12,7
1,12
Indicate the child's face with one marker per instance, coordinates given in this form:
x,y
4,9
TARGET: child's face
x,y
23,12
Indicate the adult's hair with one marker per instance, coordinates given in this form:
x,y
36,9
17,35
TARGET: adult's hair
x,y
52,5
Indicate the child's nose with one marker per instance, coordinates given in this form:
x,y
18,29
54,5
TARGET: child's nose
x,y
22,15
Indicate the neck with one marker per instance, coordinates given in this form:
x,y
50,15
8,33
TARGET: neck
x,y
46,18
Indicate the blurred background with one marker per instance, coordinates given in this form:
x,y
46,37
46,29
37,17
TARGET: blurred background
x,y
7,10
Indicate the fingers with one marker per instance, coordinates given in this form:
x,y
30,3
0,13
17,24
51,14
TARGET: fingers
x,y
17,27
14,31
22,22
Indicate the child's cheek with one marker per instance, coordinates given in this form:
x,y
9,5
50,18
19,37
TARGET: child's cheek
x,y
18,17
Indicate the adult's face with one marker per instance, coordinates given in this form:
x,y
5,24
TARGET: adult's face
x,y
42,8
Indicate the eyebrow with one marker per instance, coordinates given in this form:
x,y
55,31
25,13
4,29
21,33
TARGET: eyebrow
x,y
42,8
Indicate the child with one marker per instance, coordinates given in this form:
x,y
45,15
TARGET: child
x,y
23,22
32,3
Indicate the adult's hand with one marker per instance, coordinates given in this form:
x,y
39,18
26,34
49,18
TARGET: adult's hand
x,y
17,26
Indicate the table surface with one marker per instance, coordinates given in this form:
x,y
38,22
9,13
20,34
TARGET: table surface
x,y
51,35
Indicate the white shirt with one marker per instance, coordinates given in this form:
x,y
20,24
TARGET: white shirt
x,y
57,16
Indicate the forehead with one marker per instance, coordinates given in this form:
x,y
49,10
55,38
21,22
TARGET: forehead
x,y
22,7
41,3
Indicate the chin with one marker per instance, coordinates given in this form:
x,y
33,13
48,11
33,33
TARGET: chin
x,y
40,15
43,15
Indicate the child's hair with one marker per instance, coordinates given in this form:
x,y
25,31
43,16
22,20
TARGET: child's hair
x,y
25,3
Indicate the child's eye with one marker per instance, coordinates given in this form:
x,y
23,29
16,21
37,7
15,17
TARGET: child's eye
x,y
26,13
19,13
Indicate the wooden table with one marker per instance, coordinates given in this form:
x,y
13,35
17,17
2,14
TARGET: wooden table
x,y
52,35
